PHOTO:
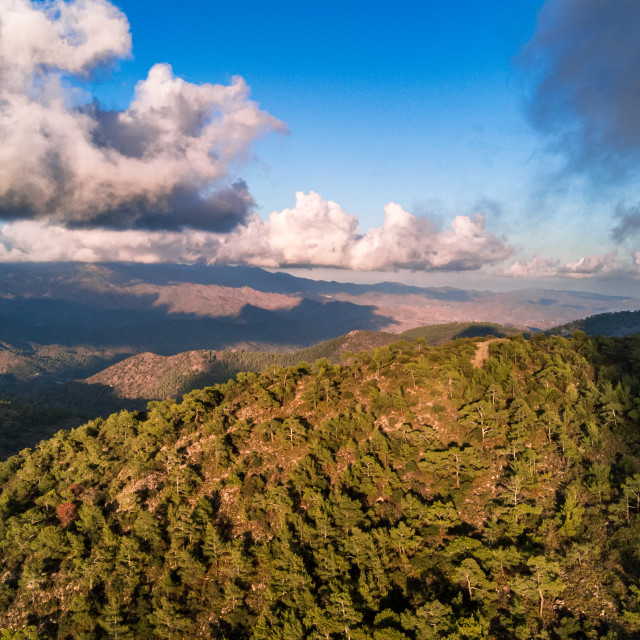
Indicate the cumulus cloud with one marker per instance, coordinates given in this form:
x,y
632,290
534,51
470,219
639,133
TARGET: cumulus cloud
x,y
536,267
603,265
162,163
585,59
315,232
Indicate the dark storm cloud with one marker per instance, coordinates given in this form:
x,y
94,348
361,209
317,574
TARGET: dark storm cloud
x,y
628,225
585,56
185,207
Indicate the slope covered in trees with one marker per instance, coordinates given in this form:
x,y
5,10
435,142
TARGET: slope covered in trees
x,y
148,376
619,323
136,380
406,495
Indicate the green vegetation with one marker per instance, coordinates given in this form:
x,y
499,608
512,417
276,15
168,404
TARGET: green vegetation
x,y
36,365
440,333
23,422
619,323
173,376
224,365
406,495
132,383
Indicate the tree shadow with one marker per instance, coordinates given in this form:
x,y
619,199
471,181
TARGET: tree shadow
x,y
25,420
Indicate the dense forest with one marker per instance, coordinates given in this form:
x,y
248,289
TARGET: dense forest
x,y
480,489
34,410
620,323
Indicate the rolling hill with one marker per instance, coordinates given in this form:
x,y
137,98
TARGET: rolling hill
x,y
133,382
406,495
63,326
621,323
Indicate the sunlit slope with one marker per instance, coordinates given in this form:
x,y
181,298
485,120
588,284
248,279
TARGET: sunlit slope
x,y
149,376
134,381
406,494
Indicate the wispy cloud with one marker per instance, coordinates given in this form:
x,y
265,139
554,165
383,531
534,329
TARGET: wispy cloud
x,y
583,59
628,224
40,241
535,267
162,163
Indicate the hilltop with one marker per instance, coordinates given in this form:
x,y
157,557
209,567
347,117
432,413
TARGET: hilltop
x,y
148,376
406,494
36,412
621,323
36,406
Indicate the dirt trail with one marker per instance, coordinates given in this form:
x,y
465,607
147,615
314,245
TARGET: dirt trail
x,y
482,351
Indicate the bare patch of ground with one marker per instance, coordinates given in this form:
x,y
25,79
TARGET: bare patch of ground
x,y
482,351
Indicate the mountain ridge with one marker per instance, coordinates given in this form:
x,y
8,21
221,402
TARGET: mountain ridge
x,y
118,309
407,495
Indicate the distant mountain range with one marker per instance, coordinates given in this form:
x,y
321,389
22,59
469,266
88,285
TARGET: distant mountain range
x,y
96,315
80,340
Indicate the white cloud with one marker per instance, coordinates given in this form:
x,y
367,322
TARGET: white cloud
x,y
603,265
408,242
72,37
315,232
536,267
161,163
38,241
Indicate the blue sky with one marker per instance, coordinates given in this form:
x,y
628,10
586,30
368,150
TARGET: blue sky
x,y
444,108
418,102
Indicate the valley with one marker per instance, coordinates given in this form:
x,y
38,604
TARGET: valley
x,y
64,321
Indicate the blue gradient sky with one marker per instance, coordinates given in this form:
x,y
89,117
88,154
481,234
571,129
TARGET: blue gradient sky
x,y
420,103
415,102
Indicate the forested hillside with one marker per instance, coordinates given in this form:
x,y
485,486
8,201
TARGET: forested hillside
x,y
620,323
133,382
148,376
414,493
